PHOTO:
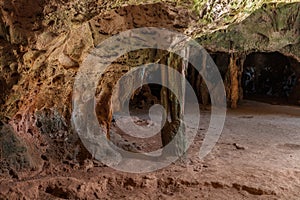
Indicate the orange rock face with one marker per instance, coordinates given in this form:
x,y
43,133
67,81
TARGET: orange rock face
x,y
42,45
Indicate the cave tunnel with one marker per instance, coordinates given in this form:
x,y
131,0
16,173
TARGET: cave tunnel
x,y
270,77
267,77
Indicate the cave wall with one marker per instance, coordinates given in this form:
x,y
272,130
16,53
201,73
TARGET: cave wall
x,y
43,43
40,53
273,28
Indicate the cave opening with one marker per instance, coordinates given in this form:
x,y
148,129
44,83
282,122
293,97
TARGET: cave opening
x,y
269,77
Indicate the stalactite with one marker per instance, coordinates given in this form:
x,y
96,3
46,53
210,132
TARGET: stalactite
x,y
164,94
173,83
232,82
203,88
242,58
184,68
174,104
193,77
198,86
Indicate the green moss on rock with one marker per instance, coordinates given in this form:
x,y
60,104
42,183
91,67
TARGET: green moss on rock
x,y
267,29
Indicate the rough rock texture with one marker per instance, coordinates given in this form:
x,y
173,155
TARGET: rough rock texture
x,y
13,153
270,29
257,157
42,46
43,43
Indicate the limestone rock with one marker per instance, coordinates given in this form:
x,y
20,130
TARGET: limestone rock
x,y
42,44
66,61
13,152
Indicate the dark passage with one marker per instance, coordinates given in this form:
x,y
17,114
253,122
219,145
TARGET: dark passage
x,y
269,77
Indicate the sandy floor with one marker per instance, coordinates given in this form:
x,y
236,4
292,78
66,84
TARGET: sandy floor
x,y
257,157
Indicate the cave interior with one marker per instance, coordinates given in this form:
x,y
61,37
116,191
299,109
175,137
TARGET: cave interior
x,y
269,77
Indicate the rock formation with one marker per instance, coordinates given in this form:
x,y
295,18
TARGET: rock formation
x,y
43,43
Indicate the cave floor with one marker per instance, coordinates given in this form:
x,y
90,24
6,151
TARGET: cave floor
x,y
256,157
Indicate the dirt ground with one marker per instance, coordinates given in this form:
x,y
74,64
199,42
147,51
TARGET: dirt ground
x,y
256,157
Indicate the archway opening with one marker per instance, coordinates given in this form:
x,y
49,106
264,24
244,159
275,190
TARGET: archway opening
x,y
269,77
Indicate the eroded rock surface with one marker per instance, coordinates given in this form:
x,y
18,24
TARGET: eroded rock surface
x,y
42,45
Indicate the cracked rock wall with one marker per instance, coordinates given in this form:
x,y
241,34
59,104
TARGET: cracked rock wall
x,y
43,43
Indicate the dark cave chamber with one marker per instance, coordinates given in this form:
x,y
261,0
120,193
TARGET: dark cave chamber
x,y
267,77
270,77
